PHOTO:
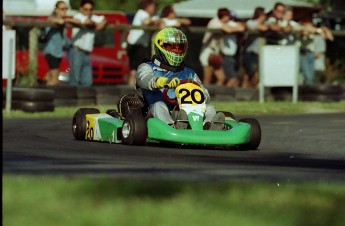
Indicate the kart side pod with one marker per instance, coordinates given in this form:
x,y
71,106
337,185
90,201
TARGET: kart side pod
x,y
89,124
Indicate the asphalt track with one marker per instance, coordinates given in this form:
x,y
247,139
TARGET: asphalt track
x,y
293,148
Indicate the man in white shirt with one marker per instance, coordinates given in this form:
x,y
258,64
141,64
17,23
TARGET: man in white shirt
x,y
138,40
82,44
169,18
220,43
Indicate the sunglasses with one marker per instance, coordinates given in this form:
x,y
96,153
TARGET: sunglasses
x,y
65,8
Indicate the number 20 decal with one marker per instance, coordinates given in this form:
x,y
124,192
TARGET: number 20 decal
x,y
185,93
89,131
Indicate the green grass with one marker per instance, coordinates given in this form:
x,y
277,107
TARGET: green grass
x,y
65,201
237,108
102,201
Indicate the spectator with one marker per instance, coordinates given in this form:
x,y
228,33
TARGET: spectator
x,y
229,51
307,51
274,19
312,48
56,42
82,44
320,50
252,47
288,26
169,18
212,44
138,40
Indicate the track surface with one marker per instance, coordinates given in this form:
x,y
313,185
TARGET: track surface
x,y
293,148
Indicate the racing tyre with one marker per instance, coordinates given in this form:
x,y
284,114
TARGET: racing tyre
x,y
31,106
255,134
134,129
228,114
79,122
32,94
114,113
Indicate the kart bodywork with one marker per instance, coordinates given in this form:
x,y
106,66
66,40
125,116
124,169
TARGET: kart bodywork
x,y
137,129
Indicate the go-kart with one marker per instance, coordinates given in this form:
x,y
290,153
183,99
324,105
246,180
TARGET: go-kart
x,y
131,125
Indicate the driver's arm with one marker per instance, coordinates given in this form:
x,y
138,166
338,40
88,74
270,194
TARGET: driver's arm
x,y
147,80
145,77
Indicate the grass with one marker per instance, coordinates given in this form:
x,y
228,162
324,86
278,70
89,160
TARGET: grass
x,y
83,201
55,201
237,108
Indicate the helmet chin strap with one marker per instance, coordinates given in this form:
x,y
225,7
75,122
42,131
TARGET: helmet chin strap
x,y
165,66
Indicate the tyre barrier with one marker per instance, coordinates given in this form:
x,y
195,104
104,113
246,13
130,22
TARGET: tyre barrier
x,y
247,94
65,95
320,93
221,93
46,98
109,95
86,96
31,99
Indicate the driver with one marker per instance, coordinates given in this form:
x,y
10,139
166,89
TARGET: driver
x,y
166,69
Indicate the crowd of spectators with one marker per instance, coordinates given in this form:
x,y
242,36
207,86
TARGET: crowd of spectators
x,y
276,27
231,57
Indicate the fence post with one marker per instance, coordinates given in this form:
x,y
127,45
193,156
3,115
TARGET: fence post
x,y
33,48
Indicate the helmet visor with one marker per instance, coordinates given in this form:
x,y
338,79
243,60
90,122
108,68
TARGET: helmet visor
x,y
179,48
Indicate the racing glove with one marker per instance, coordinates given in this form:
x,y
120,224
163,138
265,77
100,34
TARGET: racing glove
x,y
162,82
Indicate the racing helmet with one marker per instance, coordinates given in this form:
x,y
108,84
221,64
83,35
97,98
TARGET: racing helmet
x,y
170,46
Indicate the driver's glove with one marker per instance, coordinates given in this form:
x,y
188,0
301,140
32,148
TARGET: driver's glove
x,y
163,82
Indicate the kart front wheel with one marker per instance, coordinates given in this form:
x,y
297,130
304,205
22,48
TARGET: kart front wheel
x,y
79,122
255,134
134,129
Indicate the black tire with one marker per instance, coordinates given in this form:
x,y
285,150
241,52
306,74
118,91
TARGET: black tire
x,y
86,101
64,91
79,122
65,102
32,94
114,113
228,114
106,99
33,106
307,89
255,134
329,89
107,91
86,93
321,97
134,129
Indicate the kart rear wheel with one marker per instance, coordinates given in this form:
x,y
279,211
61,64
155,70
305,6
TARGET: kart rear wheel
x,y
79,122
114,113
134,129
227,114
255,134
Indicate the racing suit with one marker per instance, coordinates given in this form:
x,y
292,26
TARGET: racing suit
x,y
147,74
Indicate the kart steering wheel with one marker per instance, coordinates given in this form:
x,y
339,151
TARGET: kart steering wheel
x,y
174,101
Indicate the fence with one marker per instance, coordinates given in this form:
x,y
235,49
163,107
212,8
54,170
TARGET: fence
x,y
35,25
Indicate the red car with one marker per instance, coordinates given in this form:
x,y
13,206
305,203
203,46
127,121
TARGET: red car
x,y
109,57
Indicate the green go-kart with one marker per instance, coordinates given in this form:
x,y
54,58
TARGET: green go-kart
x,y
130,125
